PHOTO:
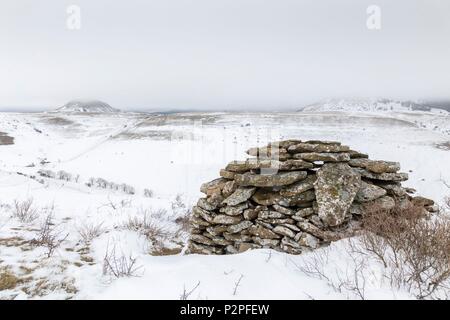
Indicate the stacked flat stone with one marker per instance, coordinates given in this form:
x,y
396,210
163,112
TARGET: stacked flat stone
x,y
293,196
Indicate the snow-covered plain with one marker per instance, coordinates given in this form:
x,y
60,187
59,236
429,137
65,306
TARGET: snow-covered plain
x,y
172,155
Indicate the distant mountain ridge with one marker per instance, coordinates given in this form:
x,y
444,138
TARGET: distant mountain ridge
x,y
375,105
87,106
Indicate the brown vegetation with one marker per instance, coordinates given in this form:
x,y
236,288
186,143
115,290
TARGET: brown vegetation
x,y
414,245
5,139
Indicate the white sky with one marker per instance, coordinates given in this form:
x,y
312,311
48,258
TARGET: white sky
x,y
221,54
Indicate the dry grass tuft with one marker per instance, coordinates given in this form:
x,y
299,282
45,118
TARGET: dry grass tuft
x,y
89,232
148,225
8,280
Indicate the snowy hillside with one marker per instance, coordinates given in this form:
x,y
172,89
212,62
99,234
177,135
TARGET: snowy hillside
x,y
88,106
370,105
118,187
419,114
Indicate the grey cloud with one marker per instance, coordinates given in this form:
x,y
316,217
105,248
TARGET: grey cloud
x,y
221,54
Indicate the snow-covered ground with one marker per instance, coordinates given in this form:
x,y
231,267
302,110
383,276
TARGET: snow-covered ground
x,y
172,155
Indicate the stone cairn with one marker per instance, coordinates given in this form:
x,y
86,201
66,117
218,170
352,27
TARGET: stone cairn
x,y
294,196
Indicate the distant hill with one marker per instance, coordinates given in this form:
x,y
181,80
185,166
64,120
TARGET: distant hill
x,y
444,104
374,105
87,106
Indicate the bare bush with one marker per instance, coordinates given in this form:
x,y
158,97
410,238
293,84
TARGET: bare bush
x,y
120,265
115,205
49,236
125,203
127,189
104,184
415,248
348,278
25,211
314,265
47,174
90,231
412,245
111,204
91,182
62,175
148,193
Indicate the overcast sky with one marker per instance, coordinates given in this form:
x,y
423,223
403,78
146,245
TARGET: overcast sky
x,y
221,54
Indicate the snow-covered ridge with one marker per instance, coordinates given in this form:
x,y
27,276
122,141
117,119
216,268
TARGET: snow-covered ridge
x,y
422,115
88,106
371,105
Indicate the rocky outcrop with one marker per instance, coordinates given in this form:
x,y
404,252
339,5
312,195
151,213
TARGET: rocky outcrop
x,y
294,196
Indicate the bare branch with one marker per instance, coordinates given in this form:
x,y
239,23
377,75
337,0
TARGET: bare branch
x,y
237,284
185,295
